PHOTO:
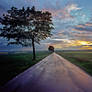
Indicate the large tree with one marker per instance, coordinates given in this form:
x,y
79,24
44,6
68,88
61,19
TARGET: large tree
x,y
26,26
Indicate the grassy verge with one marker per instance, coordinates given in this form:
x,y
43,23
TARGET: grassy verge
x,y
83,59
13,64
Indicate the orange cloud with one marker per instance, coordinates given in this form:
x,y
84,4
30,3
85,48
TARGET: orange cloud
x,y
88,24
81,26
86,48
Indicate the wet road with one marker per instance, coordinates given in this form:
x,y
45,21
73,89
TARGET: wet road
x,y
52,74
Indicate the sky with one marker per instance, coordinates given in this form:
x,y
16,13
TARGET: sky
x,y
72,22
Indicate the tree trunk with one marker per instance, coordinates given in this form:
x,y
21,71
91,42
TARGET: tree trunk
x,y
33,45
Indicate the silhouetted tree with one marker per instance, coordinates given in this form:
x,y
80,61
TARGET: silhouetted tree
x,y
26,26
51,48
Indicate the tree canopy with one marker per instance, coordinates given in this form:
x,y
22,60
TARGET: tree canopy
x,y
51,48
23,24
26,26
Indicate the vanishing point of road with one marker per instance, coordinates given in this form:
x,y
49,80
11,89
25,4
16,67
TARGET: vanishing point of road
x,y
52,74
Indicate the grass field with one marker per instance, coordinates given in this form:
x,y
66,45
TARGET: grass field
x,y
13,64
83,59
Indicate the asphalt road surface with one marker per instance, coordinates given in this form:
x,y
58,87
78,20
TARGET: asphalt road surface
x,y
52,74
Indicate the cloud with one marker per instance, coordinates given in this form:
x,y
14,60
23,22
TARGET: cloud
x,y
82,31
72,7
68,43
64,12
84,27
65,15
62,40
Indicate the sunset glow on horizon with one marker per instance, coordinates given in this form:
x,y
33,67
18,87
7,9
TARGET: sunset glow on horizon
x,y
73,43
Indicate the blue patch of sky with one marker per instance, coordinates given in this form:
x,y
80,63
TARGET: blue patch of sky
x,y
82,16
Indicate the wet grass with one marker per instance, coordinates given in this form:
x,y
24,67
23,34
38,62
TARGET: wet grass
x,y
83,59
13,64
